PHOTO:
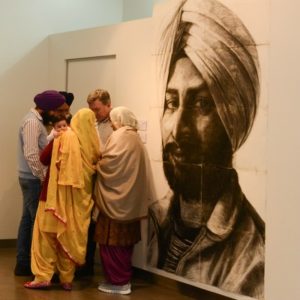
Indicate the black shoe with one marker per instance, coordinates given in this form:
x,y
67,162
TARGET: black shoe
x,y
22,270
84,271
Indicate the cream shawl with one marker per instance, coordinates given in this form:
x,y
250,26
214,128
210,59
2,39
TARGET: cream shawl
x,y
124,186
69,201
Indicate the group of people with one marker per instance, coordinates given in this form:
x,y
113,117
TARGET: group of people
x,y
85,180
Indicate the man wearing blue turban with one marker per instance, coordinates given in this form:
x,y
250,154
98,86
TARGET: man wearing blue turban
x,y
205,229
32,139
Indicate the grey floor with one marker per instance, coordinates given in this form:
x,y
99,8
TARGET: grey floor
x,y
143,287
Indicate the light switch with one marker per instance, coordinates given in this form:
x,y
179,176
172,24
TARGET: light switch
x,y
142,125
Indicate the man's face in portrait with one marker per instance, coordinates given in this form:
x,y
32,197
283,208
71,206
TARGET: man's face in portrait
x,y
192,132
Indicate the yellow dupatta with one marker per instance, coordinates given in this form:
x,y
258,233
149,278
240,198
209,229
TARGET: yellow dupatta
x,y
69,197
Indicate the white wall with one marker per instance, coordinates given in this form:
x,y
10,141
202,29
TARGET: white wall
x,y
137,9
130,86
283,200
24,24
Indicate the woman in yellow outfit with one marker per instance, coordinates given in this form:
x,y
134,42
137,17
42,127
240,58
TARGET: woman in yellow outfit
x,y
61,224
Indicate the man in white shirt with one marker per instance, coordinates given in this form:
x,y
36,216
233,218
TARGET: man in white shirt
x,y
100,103
32,139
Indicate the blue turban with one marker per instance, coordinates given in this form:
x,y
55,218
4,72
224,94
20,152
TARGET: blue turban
x,y
49,100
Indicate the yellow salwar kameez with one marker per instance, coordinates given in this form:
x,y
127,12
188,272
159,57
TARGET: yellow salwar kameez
x,y
61,225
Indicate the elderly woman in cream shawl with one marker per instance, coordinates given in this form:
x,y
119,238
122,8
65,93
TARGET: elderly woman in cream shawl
x,y
123,192
61,224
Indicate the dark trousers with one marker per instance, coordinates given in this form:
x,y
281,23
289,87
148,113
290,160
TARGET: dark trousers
x,y
31,189
116,263
91,247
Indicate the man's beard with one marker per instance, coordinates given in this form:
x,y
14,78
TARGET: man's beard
x,y
47,118
190,176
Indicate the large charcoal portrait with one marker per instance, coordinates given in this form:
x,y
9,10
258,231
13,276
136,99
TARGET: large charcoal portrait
x,y
205,229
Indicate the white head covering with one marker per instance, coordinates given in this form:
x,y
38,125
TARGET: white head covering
x,y
223,51
121,116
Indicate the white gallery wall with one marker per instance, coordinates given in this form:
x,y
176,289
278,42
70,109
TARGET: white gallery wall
x,y
137,9
283,161
30,63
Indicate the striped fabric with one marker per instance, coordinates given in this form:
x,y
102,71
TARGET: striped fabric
x,y
104,130
32,131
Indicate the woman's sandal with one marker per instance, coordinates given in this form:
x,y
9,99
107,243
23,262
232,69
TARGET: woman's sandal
x,y
37,285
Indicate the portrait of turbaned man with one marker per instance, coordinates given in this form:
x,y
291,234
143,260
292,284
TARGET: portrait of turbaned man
x,y
205,228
